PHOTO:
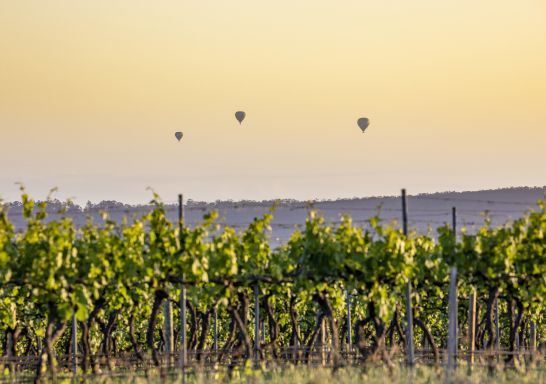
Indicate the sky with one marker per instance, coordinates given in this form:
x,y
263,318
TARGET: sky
x,y
91,93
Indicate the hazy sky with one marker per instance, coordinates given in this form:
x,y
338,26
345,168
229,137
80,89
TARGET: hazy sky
x,y
91,93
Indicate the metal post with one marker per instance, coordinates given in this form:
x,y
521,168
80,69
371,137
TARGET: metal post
x,y
456,296
471,327
454,221
256,324
409,310
409,330
168,333
74,344
183,350
452,325
404,213
183,341
181,210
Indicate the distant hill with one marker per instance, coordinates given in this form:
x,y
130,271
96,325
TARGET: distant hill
x,y
425,211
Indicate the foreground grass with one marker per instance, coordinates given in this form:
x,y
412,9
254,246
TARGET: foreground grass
x,y
307,375
376,375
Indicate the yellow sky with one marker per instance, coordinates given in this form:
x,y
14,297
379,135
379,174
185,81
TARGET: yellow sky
x,y
91,93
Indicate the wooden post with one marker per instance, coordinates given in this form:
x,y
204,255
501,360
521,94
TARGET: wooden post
x,y
404,213
452,324
471,328
409,310
74,344
256,325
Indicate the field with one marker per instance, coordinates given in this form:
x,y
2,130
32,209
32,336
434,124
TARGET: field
x,y
305,375
144,299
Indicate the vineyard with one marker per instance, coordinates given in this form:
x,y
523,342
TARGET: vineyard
x,y
146,297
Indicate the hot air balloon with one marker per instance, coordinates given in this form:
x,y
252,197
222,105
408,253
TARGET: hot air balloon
x,y
363,123
240,116
178,135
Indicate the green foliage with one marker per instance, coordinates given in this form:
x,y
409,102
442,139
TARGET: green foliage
x,y
52,269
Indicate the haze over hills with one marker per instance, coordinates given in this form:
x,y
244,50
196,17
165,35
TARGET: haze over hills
x,y
426,212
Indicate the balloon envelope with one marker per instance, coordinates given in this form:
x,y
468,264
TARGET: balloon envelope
x,y
363,123
240,116
178,136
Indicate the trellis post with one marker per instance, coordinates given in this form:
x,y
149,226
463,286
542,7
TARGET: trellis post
x,y
453,304
452,324
497,330
168,333
216,329
74,344
471,328
183,341
533,339
256,325
409,310
349,327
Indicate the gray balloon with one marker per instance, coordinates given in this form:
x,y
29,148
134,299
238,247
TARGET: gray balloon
x,y
178,135
363,123
240,116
